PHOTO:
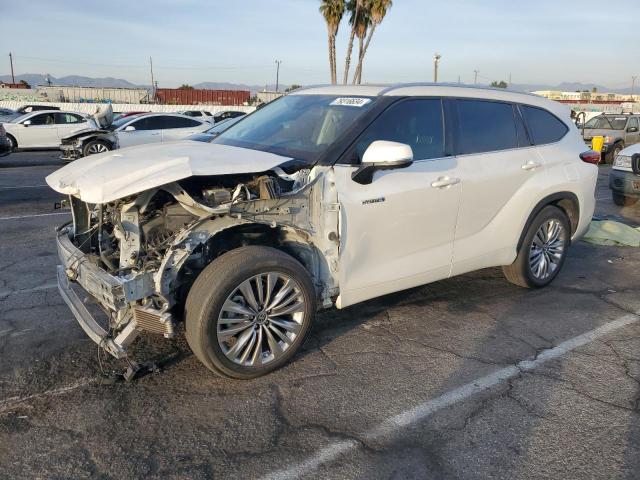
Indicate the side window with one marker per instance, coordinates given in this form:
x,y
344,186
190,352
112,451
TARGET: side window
x,y
66,118
149,123
179,122
543,126
633,122
485,126
418,123
42,119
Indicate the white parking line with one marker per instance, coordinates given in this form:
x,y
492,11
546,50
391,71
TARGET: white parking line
x,y
11,402
24,186
394,425
46,286
33,216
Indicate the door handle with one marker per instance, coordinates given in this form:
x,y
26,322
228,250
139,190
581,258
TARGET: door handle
x,y
530,165
443,182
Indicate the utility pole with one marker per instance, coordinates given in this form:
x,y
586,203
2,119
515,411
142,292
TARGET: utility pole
x,y
153,83
459,82
278,62
633,84
436,61
509,79
13,78
475,78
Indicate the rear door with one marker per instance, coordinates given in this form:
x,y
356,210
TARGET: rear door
x,y
397,231
179,128
67,123
147,129
41,132
497,162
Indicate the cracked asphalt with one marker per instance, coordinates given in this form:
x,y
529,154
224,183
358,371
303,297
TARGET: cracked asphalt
x,y
576,415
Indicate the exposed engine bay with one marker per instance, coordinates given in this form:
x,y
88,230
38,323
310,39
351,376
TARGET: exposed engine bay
x,y
139,255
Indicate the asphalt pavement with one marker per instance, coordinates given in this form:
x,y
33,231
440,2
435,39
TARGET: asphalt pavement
x,y
466,378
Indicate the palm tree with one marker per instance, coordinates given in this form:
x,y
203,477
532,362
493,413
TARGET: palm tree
x,y
377,10
354,7
363,21
332,11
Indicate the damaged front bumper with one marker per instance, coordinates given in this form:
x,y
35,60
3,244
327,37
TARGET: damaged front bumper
x,y
119,297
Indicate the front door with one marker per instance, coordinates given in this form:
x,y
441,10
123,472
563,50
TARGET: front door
x,y
397,232
41,132
147,129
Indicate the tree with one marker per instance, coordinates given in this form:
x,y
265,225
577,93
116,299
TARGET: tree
x,y
363,20
354,7
500,84
292,88
332,11
377,10
185,86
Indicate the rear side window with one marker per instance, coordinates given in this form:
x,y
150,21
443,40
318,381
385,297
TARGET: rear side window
x,y
179,122
485,126
418,123
66,118
543,126
43,119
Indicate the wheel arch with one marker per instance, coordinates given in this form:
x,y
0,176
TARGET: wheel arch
x,y
565,201
14,140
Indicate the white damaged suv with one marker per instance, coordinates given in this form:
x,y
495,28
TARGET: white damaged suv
x,y
329,196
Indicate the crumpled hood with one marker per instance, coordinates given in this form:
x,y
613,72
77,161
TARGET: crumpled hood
x,y
112,175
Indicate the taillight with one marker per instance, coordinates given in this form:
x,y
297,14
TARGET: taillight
x,y
590,156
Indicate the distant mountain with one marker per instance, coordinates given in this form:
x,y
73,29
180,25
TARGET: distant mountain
x,y
569,87
35,79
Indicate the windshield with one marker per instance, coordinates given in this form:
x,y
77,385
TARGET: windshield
x,y
223,125
607,123
297,126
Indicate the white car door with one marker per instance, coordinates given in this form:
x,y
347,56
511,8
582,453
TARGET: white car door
x,y
498,164
67,123
38,131
179,127
143,130
397,232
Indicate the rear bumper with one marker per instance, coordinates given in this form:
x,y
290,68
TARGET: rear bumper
x,y
117,296
624,183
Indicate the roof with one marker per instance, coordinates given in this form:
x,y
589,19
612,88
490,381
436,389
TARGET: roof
x,y
436,90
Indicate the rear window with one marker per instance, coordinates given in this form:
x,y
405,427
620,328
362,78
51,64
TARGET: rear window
x,y
179,122
544,127
485,126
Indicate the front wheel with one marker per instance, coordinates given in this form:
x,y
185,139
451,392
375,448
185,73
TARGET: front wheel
x,y
623,200
543,250
95,146
249,311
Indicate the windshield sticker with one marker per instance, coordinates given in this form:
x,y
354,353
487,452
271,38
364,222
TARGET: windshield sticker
x,y
351,101
620,119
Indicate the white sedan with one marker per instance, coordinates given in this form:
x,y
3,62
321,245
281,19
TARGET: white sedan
x,y
43,129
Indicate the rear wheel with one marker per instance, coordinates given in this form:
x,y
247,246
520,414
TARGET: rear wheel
x,y
623,200
249,311
543,250
12,142
95,146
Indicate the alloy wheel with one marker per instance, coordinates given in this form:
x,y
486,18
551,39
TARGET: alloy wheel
x,y
547,249
97,148
261,319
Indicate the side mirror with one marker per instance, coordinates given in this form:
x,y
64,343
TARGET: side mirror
x,y
382,155
129,128
632,129
26,123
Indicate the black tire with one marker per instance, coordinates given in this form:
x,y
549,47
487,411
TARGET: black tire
x,y
622,200
12,142
617,148
520,272
95,144
220,279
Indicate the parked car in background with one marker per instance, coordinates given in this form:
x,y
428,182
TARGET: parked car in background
x,y
129,131
218,117
624,177
213,132
43,129
204,115
5,144
328,196
6,114
618,131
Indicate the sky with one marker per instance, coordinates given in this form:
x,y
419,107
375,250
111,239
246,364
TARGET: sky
x,y
191,41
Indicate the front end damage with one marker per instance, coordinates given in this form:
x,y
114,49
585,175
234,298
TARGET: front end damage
x,y
73,146
138,256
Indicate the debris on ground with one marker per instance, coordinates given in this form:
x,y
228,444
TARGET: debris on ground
x,y
609,232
